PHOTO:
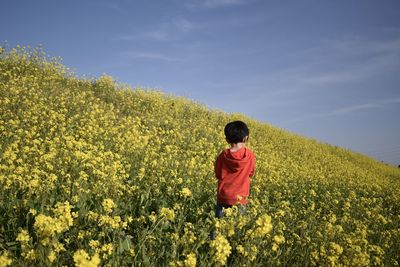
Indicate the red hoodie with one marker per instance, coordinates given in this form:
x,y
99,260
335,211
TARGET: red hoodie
x,y
233,171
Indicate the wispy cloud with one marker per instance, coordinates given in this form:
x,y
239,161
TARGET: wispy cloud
x,y
354,108
126,59
348,66
218,3
350,109
354,61
378,104
331,64
158,35
168,31
183,24
356,46
214,3
110,6
149,55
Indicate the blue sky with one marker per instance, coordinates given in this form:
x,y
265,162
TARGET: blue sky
x,y
323,69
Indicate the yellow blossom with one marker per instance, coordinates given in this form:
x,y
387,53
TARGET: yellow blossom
x,y
33,212
279,239
107,249
167,213
336,249
221,248
185,192
52,256
82,259
5,260
190,260
241,250
263,226
108,205
72,148
30,255
94,244
23,237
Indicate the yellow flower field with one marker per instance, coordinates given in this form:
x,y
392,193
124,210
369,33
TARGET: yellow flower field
x,y
95,173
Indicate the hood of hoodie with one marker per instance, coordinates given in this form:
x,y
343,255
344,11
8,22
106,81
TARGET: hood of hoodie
x,y
237,160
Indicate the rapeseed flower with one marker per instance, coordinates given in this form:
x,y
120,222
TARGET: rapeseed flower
x,y
82,259
23,237
222,249
185,192
263,226
5,260
190,260
52,256
92,143
279,239
108,205
167,213
107,250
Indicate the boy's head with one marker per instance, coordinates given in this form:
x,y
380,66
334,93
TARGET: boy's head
x,y
236,132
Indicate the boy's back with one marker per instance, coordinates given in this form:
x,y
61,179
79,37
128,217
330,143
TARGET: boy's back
x,y
234,166
233,170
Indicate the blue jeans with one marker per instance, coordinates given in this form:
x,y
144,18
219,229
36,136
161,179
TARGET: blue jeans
x,y
219,209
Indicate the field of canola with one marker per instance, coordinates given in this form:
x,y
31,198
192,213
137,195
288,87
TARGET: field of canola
x,y
94,173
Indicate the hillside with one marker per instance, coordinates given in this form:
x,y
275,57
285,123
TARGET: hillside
x,y
94,172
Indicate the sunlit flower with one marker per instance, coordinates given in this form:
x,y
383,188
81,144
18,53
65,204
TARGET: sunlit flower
x,y
222,249
190,260
185,192
5,260
72,148
279,239
23,237
82,259
108,205
167,213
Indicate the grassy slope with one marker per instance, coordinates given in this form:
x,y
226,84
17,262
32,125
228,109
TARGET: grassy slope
x,y
69,139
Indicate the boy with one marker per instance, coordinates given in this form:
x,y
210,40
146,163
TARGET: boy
x,y
234,167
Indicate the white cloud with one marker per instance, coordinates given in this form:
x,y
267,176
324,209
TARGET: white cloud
x,y
149,55
159,35
214,3
358,46
378,104
340,65
167,31
170,30
124,37
331,64
218,3
183,25
357,60
350,109
110,6
373,105
354,108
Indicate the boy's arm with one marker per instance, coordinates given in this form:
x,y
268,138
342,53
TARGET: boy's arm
x,y
253,166
218,167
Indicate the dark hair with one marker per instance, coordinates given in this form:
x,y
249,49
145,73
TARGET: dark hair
x,y
236,131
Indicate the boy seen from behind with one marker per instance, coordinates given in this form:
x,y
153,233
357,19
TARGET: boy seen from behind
x,y
234,167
